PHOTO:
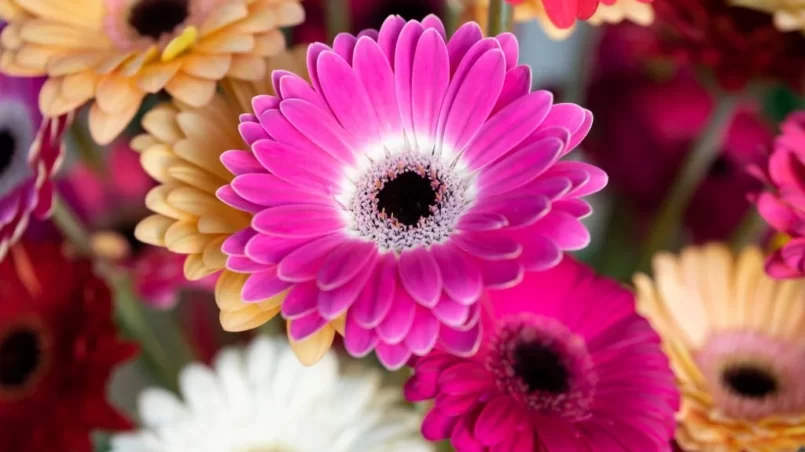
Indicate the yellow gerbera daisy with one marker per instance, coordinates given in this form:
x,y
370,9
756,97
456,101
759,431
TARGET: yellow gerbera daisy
x,y
117,51
181,149
789,15
736,341
618,11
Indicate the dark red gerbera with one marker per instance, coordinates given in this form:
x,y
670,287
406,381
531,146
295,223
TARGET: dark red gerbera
x,y
58,346
736,43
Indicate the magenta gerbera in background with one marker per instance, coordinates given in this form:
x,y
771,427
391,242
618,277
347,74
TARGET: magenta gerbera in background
x,y
566,364
414,173
30,150
783,206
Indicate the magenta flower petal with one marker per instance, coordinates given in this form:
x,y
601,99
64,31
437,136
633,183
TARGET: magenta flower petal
x,y
263,285
392,357
419,274
298,221
301,301
410,175
460,276
304,263
305,326
343,263
565,364
358,341
375,301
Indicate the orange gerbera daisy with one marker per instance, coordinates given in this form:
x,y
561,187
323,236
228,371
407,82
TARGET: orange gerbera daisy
x,y
117,51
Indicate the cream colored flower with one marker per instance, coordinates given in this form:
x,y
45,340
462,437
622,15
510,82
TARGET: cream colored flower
x,y
618,11
736,341
117,51
181,149
789,15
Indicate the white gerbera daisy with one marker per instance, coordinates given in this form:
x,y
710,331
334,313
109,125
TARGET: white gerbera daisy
x,y
261,399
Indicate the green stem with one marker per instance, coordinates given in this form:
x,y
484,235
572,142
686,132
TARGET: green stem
x,y
691,174
129,309
494,24
749,231
452,16
338,18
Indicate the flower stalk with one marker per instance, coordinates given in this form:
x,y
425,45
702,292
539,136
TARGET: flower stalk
x,y
338,14
704,152
128,307
501,17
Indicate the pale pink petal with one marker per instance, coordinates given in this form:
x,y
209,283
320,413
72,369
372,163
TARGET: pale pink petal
x,y
420,276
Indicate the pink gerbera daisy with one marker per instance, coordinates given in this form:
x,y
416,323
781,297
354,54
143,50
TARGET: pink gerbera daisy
x,y
566,364
411,175
30,150
783,206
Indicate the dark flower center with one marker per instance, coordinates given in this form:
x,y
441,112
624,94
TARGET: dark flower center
x,y
20,356
408,9
7,147
720,168
153,18
541,368
749,381
408,197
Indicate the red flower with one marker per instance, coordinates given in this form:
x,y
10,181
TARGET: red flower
x,y
737,44
58,347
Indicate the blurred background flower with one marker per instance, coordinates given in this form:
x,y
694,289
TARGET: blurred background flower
x,y
260,398
58,347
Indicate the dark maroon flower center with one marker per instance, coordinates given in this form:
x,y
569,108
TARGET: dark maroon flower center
x,y
544,365
541,368
153,18
408,197
7,148
749,381
20,358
